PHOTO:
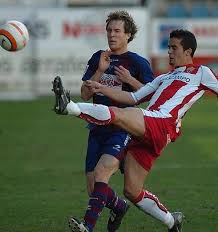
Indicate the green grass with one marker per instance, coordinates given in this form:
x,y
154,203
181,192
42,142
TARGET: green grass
x,y
42,180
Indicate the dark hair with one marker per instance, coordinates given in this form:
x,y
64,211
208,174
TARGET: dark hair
x,y
129,23
188,39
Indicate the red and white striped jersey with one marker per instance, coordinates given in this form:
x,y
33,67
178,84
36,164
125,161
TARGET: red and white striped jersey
x,y
173,93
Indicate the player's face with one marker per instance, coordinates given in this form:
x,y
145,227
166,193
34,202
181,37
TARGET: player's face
x,y
117,38
177,55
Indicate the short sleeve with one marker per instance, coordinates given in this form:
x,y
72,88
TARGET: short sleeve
x,y
209,80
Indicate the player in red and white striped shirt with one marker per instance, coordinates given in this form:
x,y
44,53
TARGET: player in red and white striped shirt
x,y
170,96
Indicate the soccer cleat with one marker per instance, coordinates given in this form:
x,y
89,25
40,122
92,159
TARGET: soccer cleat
x,y
178,217
77,226
62,96
115,220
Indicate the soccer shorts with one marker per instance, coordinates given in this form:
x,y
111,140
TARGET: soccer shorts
x,y
111,143
159,132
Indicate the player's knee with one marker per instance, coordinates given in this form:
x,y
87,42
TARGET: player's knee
x,y
102,173
116,111
130,193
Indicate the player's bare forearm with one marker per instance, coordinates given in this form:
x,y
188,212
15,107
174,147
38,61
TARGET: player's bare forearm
x,y
135,84
117,95
96,77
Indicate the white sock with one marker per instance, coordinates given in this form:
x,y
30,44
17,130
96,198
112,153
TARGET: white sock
x,y
95,113
73,108
151,205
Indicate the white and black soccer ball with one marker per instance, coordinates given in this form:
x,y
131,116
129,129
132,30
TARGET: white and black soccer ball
x,y
14,36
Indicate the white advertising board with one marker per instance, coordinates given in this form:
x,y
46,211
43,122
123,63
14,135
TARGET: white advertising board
x,y
205,30
61,43
73,35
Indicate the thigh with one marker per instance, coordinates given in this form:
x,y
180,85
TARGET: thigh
x,y
130,119
114,143
143,152
103,153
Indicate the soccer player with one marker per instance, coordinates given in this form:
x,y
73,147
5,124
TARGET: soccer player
x,y
170,96
121,69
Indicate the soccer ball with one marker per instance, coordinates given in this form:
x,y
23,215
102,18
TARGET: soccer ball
x,y
13,36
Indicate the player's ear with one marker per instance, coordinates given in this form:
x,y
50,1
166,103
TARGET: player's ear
x,y
188,52
128,35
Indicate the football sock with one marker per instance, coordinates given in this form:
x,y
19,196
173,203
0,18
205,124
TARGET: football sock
x,y
150,204
114,202
73,108
94,113
96,204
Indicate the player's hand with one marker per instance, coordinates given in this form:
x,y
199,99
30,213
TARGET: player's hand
x,y
122,73
93,86
104,61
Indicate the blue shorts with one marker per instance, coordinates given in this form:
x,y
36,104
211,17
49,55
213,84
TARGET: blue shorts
x,y
111,143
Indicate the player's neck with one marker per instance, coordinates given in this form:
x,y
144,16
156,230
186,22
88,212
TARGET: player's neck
x,y
182,65
119,51
187,62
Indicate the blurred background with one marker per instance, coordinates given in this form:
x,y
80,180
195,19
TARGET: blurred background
x,y
42,155
65,33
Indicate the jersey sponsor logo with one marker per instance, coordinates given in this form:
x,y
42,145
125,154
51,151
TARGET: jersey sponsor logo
x,y
110,81
175,76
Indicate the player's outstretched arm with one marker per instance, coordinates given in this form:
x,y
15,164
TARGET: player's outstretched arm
x,y
114,94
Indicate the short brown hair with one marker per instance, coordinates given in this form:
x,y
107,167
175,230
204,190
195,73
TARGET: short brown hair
x,y
129,23
188,39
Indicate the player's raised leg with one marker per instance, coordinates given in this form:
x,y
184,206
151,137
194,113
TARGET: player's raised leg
x,y
130,119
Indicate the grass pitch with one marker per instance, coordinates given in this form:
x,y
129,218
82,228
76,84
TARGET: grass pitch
x,y
42,180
